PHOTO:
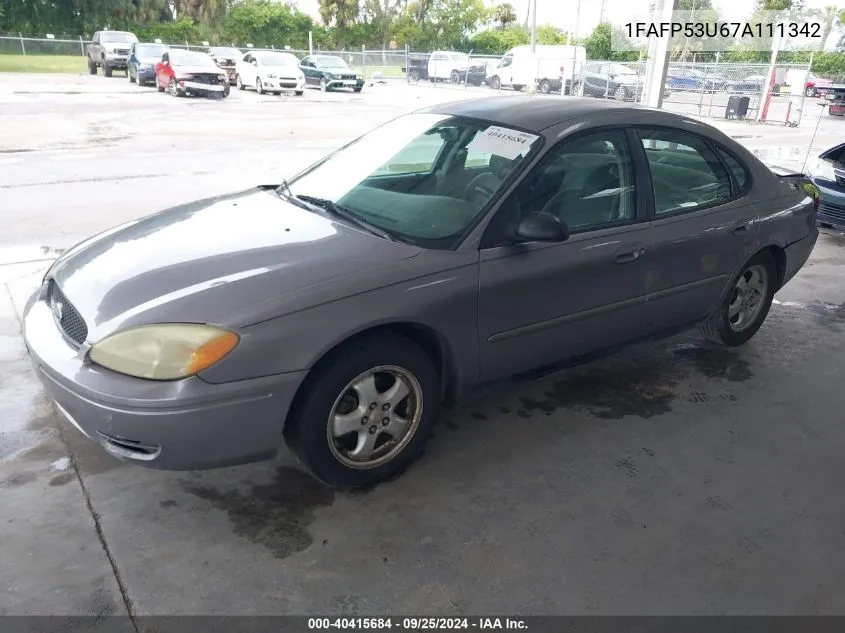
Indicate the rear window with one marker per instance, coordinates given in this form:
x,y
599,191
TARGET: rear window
x,y
739,173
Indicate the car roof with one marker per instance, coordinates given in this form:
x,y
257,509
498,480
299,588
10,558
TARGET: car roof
x,y
534,113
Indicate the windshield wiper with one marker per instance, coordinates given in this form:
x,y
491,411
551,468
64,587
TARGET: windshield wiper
x,y
347,214
283,191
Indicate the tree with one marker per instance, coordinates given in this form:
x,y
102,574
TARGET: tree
x,y
267,23
498,41
599,44
830,17
504,14
340,14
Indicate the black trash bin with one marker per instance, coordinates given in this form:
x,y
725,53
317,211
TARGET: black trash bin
x,y
737,107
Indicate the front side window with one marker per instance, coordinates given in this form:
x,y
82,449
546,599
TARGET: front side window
x,y
413,178
685,172
588,182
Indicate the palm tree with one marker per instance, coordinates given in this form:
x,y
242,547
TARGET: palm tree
x,y
830,16
504,14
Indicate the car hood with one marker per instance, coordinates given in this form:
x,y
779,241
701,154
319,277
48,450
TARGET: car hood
x,y
280,71
152,61
196,70
209,260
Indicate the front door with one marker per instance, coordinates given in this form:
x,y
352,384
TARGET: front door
x,y
540,303
704,225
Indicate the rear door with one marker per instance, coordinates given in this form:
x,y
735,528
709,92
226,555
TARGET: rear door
x,y
703,224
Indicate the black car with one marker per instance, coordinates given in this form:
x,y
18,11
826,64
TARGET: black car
x,y
608,79
752,84
226,57
330,72
828,174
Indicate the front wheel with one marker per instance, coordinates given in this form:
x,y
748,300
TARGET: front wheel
x,y
367,413
746,305
578,89
545,87
173,88
620,94
495,83
455,77
358,89
92,67
299,93
415,75
259,87
107,70
810,92
323,85
239,83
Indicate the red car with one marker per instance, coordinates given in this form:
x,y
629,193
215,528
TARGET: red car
x,y
815,86
184,73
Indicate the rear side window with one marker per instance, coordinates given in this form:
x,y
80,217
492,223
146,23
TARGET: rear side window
x,y
685,172
740,175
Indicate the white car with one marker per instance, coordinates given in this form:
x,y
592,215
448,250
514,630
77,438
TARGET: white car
x,y
268,71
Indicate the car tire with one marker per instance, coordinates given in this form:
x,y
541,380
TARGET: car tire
x,y
545,87
754,297
578,89
299,93
455,77
357,89
173,88
159,87
517,87
415,75
129,76
259,87
226,90
92,67
810,92
239,83
495,83
310,431
620,94
324,87
107,70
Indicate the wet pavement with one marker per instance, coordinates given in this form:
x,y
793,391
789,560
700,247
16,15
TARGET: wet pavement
x,y
672,478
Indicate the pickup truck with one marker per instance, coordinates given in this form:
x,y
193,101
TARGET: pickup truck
x,y
445,66
109,49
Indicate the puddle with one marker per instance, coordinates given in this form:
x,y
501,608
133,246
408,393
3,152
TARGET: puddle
x,y
715,362
274,515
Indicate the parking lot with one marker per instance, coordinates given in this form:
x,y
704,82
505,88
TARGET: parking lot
x,y
671,478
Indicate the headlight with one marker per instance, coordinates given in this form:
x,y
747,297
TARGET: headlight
x,y
165,351
822,169
300,77
270,75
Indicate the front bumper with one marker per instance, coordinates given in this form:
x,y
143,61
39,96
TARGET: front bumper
x,y
184,424
345,83
113,60
831,206
145,74
282,83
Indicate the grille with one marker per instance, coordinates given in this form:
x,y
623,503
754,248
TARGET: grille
x,y
347,76
121,51
67,318
206,78
832,212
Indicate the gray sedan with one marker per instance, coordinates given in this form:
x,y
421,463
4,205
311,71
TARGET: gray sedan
x,y
451,247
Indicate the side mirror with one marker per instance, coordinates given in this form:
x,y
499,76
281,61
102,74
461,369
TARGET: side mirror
x,y
542,227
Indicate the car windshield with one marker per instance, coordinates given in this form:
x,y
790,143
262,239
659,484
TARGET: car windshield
x,y
423,178
278,60
191,58
330,62
225,52
118,37
150,50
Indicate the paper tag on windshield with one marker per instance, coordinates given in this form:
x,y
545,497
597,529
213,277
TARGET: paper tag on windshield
x,y
503,142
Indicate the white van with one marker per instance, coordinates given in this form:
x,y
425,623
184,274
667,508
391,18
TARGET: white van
x,y
447,65
549,69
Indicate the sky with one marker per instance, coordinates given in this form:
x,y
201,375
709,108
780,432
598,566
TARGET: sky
x,y
561,13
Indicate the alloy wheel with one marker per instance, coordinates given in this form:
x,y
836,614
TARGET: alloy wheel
x,y
748,297
375,417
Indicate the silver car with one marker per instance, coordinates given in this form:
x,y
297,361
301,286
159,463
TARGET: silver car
x,y
451,247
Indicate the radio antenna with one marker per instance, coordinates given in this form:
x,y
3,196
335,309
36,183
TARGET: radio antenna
x,y
813,139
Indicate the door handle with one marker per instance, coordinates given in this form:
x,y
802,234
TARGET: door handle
x,y
627,256
743,226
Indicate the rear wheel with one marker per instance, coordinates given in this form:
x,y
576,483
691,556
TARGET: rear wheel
x,y
518,87
107,70
620,94
578,89
358,89
239,83
367,413
415,75
299,93
92,67
810,92
259,87
545,87
746,305
495,83
455,77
